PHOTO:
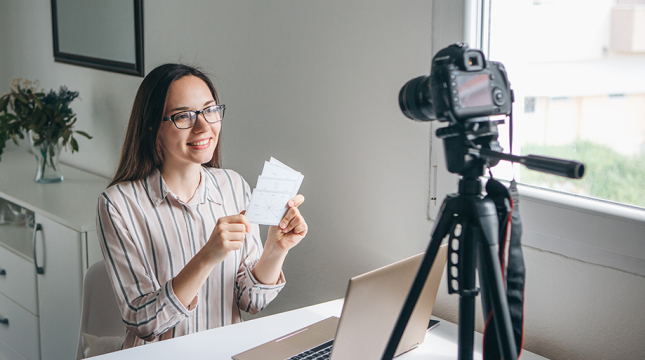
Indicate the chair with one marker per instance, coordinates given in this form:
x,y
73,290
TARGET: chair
x,y
100,318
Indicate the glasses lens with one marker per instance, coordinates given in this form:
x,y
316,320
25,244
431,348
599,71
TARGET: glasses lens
x,y
185,119
214,113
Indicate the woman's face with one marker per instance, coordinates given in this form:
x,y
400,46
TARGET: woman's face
x,y
195,145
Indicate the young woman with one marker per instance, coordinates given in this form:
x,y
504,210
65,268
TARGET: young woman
x,y
181,255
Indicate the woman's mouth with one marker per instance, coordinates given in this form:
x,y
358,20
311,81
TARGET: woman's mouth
x,y
201,144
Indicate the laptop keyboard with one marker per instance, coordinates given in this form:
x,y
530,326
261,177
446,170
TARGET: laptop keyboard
x,y
320,352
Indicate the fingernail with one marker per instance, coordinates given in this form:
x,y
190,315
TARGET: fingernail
x,y
290,203
283,225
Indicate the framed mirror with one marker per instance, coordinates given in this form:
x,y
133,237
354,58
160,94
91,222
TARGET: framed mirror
x,y
100,34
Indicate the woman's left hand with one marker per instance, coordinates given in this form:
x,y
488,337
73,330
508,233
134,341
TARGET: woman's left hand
x,y
291,230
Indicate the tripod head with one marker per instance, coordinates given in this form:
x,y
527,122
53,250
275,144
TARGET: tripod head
x,y
472,145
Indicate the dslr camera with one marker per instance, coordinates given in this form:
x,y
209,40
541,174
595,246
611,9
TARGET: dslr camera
x,y
462,85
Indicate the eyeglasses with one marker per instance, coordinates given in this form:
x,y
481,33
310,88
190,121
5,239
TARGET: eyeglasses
x,y
188,119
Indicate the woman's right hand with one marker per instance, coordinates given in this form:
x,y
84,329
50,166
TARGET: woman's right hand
x,y
228,235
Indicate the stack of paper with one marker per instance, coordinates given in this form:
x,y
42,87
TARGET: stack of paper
x,y
275,187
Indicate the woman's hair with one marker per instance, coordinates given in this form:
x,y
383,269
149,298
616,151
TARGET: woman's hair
x,y
141,151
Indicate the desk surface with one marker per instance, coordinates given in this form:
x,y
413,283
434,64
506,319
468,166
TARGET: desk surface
x,y
222,343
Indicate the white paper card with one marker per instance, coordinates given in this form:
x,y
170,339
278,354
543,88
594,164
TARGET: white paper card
x,y
276,169
275,184
267,208
280,163
275,187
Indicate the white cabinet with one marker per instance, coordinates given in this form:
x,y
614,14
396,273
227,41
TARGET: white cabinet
x,y
40,311
59,287
19,320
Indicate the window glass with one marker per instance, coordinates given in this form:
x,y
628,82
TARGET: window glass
x,y
577,68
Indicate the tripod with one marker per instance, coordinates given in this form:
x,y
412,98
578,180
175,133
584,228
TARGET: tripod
x,y
472,222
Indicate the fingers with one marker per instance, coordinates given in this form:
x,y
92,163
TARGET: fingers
x,y
227,234
293,221
296,201
234,229
231,231
236,219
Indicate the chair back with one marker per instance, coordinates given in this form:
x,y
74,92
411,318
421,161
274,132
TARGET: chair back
x,y
100,317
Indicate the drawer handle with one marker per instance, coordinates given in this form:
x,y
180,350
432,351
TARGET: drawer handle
x,y
39,269
4,320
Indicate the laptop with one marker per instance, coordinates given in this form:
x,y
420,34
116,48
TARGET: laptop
x,y
372,306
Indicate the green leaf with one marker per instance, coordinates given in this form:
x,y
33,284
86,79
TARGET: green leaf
x,y
20,98
83,133
5,101
74,145
66,134
38,103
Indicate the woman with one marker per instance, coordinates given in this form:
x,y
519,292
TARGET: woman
x,y
181,255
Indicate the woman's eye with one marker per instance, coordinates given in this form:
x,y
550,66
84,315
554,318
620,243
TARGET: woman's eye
x,y
210,110
182,117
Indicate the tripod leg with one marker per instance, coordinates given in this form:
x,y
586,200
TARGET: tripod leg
x,y
442,226
468,290
491,280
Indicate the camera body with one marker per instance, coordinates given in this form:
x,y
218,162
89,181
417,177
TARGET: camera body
x,y
462,85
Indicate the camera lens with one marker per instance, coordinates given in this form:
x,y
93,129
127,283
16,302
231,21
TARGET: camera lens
x,y
415,99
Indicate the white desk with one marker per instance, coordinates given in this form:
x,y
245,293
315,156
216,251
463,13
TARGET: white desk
x,y
222,343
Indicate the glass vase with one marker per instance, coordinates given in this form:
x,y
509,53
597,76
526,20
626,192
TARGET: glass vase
x,y
47,155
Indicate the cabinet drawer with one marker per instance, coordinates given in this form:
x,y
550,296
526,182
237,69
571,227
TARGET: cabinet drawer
x,y
8,353
21,331
19,280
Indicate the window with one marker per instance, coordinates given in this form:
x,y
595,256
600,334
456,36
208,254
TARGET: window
x,y
577,68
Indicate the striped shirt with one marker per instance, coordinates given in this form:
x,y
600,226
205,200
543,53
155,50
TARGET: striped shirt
x,y
147,235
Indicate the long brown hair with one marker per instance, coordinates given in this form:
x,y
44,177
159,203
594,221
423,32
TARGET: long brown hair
x,y
141,151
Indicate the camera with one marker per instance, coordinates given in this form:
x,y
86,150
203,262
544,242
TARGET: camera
x,y
462,85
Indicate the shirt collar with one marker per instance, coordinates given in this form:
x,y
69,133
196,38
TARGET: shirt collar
x,y
158,190
210,189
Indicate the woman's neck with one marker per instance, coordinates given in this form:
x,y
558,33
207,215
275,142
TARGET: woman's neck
x,y
182,181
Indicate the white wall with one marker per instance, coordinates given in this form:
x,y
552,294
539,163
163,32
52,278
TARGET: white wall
x,y
315,84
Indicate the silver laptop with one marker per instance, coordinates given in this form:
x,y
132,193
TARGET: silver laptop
x,y
372,306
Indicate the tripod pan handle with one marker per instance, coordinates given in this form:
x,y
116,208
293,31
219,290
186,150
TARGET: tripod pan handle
x,y
566,168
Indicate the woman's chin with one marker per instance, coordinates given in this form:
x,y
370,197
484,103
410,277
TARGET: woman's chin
x,y
204,158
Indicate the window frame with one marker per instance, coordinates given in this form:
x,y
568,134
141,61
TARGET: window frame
x,y
590,230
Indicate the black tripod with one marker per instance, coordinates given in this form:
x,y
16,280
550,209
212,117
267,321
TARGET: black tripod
x,y
473,224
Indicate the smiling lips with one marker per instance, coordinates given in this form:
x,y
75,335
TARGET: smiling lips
x,y
201,144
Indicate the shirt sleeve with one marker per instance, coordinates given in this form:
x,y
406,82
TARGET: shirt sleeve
x,y
148,308
252,295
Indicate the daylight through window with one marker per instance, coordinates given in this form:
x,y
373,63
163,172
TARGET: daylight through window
x,y
577,68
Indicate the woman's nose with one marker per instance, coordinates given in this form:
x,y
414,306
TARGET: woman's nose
x,y
200,123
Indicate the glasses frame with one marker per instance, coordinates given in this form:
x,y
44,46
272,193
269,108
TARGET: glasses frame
x,y
197,113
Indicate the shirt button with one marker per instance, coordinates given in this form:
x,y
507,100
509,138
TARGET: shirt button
x,y
183,315
257,288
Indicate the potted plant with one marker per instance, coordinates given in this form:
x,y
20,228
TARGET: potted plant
x,y
47,120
